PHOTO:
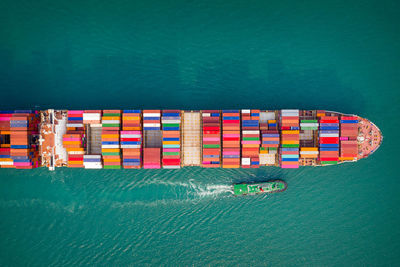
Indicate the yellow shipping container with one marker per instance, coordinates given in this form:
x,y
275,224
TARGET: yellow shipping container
x,y
290,132
75,149
290,142
110,118
171,142
131,118
309,148
110,135
71,142
111,160
6,159
110,150
346,158
250,145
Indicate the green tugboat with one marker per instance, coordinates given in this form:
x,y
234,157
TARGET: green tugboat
x,y
259,188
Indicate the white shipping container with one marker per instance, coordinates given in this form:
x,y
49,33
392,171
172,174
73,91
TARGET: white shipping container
x,y
94,167
131,135
245,161
246,111
172,167
309,124
74,124
171,121
91,116
290,115
328,135
151,114
109,146
92,156
6,163
250,132
130,146
96,125
206,114
290,110
110,121
76,152
151,124
92,163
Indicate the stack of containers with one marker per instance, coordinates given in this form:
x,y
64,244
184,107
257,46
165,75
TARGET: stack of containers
x,y
290,142
171,123
231,139
151,158
16,151
151,155
269,141
92,161
92,117
75,120
309,152
250,138
329,140
24,155
348,138
73,143
151,120
211,139
5,158
131,139
309,125
111,122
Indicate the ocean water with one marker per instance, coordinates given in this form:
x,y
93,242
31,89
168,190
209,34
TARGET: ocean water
x,y
333,55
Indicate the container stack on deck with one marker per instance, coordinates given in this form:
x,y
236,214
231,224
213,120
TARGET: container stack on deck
x,y
73,140
92,117
151,123
131,139
250,138
329,140
290,138
24,154
110,148
92,161
18,149
211,139
348,138
171,123
309,152
230,139
269,139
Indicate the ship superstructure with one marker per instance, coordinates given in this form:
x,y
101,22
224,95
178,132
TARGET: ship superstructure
x,y
171,139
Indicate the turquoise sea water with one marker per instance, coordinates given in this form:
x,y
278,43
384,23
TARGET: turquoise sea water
x,y
333,55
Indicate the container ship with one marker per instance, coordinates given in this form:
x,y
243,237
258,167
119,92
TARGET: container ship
x,y
171,139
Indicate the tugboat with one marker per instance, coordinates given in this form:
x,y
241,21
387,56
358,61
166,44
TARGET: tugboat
x,y
259,188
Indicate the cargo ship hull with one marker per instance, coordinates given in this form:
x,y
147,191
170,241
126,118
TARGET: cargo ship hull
x,y
171,139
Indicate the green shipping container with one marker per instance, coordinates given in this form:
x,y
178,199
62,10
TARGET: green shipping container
x,y
112,167
111,125
290,145
329,162
171,153
211,146
111,115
